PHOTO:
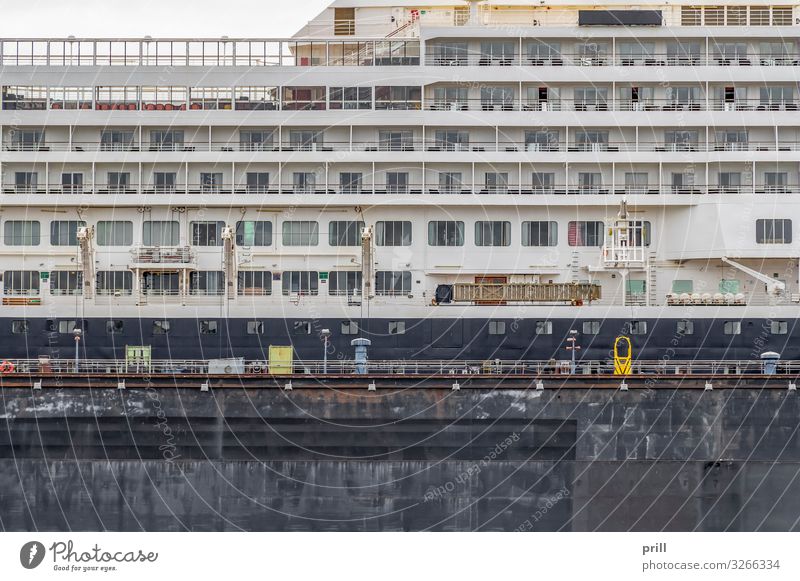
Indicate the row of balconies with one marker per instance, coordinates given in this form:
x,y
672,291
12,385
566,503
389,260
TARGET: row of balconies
x,y
593,141
641,59
406,189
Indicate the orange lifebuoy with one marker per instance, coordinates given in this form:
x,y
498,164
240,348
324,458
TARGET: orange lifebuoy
x,y
6,367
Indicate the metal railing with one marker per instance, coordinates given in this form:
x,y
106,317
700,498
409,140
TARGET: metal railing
x,y
604,60
414,368
406,189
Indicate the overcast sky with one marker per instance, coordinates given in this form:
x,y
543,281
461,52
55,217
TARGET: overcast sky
x,y
126,18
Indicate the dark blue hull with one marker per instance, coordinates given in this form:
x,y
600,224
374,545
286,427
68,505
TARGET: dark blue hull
x,y
467,339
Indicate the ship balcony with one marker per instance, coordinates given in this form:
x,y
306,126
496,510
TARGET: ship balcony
x,y
410,189
561,59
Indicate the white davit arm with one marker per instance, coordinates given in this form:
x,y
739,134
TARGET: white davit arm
x,y
774,286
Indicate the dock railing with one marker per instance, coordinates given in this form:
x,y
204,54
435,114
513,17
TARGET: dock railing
x,y
423,368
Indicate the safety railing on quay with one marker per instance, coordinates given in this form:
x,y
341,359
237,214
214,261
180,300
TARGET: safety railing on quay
x,y
418,368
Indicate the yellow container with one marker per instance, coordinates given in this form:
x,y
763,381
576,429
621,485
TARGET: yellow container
x,y
281,360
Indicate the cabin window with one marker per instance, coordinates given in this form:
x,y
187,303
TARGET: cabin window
x,y
114,233
492,233
255,327
300,282
684,327
591,327
208,327
21,233
20,327
544,328
349,328
392,282
539,233
345,233
300,233
397,327
393,233
161,327
774,231
445,233
778,327
115,327
65,232
732,328
638,327
497,327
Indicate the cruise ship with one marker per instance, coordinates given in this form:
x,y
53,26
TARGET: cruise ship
x,y
452,181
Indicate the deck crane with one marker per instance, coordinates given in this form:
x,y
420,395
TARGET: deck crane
x,y
85,237
775,287
367,263
229,261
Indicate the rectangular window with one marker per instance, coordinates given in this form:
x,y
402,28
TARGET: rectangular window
x,y
250,140
778,327
161,327
116,140
450,182
396,233
306,140
66,283
118,181
392,282
304,182
543,328
255,327
682,286
21,282
65,232
398,98
397,327
114,233
350,183
345,233
208,327
344,283
254,233
300,233
71,183
26,182
349,328
774,231
539,233
350,98
586,233
401,140
210,182
164,182
445,233
254,283
300,282
451,140
591,327
684,327
497,327
207,233
396,182
160,233
20,327
166,140
115,327
206,283
257,182
732,328
496,182
489,233
68,327
638,327
21,233
114,282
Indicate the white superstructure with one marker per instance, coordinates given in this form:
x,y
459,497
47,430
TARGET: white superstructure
x,y
648,149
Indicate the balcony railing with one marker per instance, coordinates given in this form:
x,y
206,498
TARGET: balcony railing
x,y
162,255
369,188
583,60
